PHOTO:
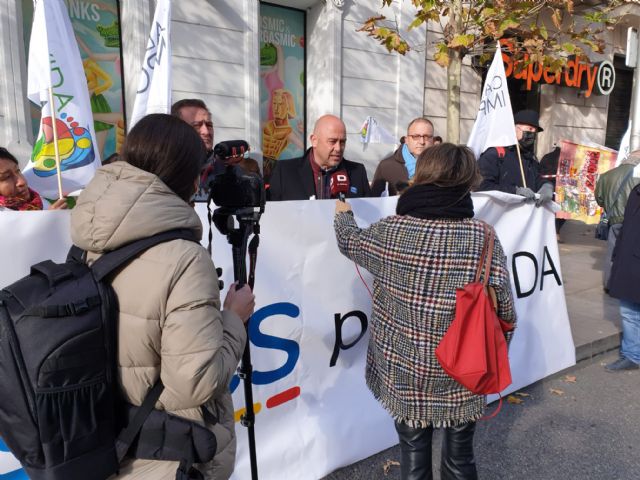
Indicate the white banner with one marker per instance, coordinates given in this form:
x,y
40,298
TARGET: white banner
x,y
494,125
312,307
55,62
154,83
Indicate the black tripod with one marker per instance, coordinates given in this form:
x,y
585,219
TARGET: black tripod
x,y
248,219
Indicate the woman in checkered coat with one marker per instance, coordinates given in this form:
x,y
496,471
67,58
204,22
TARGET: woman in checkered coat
x,y
418,258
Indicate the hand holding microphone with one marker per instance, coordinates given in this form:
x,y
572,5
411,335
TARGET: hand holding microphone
x,y
339,184
339,187
342,206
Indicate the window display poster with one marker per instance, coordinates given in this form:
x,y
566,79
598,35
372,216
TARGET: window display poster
x,y
578,170
97,29
282,84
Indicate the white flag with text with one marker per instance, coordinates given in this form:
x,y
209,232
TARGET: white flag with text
x,y
494,125
55,63
154,83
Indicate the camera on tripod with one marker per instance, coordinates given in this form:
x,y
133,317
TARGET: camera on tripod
x,y
239,194
234,189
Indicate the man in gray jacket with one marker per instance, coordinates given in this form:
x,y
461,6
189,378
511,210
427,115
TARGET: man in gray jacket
x,y
394,172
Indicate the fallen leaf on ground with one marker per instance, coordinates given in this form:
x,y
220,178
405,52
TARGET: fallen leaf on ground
x,y
522,394
512,399
570,378
388,464
556,391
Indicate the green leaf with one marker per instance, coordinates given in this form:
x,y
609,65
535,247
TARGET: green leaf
x,y
484,58
543,32
442,55
487,12
508,23
416,23
427,4
462,40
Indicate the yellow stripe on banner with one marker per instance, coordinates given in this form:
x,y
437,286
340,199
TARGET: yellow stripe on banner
x,y
256,409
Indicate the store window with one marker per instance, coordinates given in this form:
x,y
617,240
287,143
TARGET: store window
x,y
97,29
619,103
282,85
521,98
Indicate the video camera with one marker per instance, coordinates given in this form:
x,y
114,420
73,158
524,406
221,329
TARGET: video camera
x,y
234,189
236,193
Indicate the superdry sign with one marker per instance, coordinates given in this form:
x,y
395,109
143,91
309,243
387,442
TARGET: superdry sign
x,y
598,78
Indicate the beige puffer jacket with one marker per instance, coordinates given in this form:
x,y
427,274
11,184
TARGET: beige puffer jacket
x,y
170,320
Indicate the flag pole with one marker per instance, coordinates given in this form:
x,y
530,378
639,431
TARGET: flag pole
x,y
524,180
55,142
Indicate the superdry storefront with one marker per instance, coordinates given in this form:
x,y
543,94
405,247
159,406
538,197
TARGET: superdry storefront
x,y
582,83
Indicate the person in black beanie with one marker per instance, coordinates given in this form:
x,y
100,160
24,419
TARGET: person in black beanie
x,y
500,167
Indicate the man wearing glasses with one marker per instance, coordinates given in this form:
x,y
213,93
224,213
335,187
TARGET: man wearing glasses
x,y
394,172
500,167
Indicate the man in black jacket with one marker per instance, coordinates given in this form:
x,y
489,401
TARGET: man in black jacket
x,y
500,167
309,176
623,284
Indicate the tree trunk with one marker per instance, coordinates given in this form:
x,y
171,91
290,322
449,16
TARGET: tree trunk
x,y
454,73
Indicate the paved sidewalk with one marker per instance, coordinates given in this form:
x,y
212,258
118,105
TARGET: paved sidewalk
x,y
594,317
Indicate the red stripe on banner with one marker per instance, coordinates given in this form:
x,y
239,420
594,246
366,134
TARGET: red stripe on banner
x,y
283,397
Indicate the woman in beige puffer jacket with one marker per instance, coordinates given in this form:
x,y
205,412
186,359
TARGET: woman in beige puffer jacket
x,y
171,325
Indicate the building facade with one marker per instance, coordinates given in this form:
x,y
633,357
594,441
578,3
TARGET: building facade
x,y
221,54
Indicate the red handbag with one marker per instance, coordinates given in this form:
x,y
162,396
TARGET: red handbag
x,y
473,351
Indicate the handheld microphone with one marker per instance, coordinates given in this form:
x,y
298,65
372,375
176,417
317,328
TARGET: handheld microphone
x,y
339,184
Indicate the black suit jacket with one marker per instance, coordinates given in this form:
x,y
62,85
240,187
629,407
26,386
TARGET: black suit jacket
x,y
625,270
503,172
293,179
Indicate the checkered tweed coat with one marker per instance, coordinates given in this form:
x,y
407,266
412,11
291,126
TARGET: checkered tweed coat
x,y
417,265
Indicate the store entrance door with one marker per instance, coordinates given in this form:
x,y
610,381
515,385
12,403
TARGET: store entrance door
x,y
619,104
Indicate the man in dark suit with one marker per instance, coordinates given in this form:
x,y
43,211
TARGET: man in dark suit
x,y
309,176
623,284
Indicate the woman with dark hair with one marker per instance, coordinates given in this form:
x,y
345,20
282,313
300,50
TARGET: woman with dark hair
x,y
171,325
419,258
15,194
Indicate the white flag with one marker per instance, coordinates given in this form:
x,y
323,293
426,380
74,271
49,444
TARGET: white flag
x,y
625,145
54,61
154,84
372,132
494,125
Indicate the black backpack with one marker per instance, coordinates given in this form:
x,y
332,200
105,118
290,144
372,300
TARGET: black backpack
x,y
61,412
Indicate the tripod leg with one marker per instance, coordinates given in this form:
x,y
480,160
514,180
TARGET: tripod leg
x,y
245,372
